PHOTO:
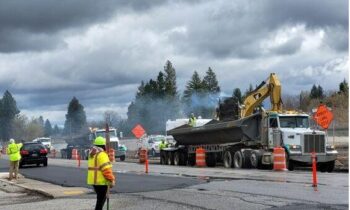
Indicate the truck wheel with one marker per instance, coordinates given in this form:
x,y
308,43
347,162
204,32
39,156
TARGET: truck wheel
x,y
177,159
228,159
330,166
170,158
210,159
122,158
162,158
255,159
289,163
238,159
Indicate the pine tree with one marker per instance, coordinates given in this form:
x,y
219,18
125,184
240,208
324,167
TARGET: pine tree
x,y
47,128
170,79
343,87
320,93
75,119
195,85
56,130
237,95
160,85
8,111
314,92
210,82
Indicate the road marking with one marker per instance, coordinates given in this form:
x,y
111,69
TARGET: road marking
x,y
73,192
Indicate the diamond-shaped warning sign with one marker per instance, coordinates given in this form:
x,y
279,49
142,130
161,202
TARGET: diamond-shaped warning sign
x,y
323,116
138,131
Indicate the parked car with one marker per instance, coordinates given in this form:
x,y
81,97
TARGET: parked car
x,y
33,153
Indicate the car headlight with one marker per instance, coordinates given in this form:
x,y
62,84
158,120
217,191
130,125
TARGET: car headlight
x,y
330,147
294,147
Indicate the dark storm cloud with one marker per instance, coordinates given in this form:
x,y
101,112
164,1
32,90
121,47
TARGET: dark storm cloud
x,y
33,25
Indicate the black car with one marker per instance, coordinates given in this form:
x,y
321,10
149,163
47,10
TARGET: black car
x,y
33,153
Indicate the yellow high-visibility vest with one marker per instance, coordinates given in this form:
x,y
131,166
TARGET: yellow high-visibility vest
x,y
13,150
96,165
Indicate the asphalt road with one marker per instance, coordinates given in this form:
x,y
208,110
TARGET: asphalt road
x,y
126,182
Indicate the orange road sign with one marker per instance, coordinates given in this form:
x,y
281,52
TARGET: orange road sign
x,y
323,116
138,131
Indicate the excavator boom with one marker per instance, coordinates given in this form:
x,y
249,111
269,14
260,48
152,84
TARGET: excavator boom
x,y
271,87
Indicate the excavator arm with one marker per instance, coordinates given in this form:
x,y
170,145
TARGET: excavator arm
x,y
272,88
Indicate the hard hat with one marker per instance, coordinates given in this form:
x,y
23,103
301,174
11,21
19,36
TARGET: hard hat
x,y
100,141
12,141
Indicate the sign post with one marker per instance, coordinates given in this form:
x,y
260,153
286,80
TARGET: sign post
x,y
108,141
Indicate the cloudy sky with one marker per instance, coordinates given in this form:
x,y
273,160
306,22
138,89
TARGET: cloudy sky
x,y
99,52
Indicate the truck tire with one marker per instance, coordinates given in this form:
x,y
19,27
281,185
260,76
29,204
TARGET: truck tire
x,y
122,158
177,158
289,163
238,159
163,158
330,166
210,159
170,158
255,159
227,159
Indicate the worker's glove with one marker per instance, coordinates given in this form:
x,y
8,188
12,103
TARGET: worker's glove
x,y
111,185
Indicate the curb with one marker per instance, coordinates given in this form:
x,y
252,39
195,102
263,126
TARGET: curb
x,y
46,194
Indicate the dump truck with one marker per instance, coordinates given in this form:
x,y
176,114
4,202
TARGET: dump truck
x,y
244,135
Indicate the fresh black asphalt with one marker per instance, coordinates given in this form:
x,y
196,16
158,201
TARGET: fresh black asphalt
x,y
126,182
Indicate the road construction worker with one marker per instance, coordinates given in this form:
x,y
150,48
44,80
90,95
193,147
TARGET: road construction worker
x,y
162,145
100,174
192,120
13,151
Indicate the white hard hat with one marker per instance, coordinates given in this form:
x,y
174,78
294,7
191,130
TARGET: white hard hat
x,y
12,141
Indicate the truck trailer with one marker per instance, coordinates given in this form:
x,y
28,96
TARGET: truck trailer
x,y
245,139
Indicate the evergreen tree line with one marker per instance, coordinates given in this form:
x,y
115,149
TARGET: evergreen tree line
x,y
18,126
158,100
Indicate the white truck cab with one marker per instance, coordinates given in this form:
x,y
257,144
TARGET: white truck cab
x,y
292,131
120,150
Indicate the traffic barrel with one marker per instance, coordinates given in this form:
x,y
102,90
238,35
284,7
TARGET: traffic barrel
x,y
53,153
74,154
200,157
279,159
111,155
143,155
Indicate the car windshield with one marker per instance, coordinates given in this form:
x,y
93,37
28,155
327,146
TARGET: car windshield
x,y
33,146
157,139
103,134
294,122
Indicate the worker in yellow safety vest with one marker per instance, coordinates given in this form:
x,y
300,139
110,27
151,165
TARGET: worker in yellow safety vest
x,y
192,120
13,151
100,174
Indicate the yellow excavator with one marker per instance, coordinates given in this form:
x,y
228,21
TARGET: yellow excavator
x,y
271,87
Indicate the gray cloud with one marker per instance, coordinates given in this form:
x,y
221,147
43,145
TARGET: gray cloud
x,y
33,25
